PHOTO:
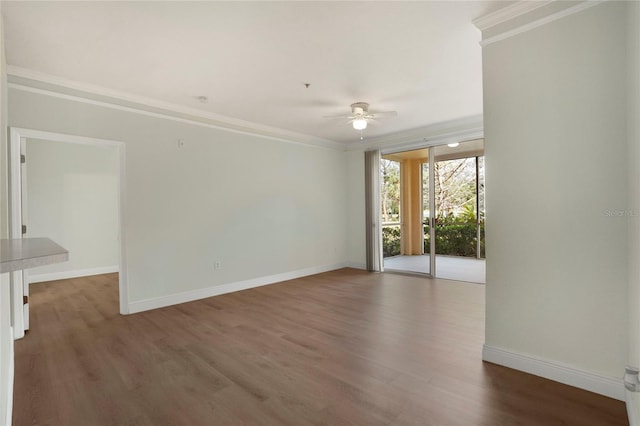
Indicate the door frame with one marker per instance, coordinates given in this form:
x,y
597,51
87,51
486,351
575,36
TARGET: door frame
x,y
17,136
431,144
23,216
432,212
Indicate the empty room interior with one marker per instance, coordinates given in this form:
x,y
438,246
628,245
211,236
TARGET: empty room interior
x,y
337,213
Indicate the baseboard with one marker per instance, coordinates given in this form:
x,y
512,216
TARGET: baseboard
x,y
203,293
357,265
65,275
632,409
613,387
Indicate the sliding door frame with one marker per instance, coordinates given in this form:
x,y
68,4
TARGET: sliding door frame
x,y
430,145
432,213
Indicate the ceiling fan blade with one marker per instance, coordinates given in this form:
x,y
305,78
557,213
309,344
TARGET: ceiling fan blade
x,y
384,114
339,121
338,117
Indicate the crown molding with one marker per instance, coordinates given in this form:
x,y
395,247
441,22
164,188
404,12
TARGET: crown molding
x,y
508,13
490,21
37,82
457,130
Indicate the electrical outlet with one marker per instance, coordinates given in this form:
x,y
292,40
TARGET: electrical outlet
x,y
217,265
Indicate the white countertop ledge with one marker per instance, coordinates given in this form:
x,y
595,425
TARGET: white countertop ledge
x,y
25,253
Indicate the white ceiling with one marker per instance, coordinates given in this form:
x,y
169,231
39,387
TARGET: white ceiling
x,y
251,59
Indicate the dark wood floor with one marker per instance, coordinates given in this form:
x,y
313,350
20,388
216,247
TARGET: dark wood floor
x,y
340,348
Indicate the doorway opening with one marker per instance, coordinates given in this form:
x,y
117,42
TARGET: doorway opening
x,y
433,203
69,189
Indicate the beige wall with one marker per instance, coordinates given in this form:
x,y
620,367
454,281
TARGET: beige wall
x,y
259,206
4,171
356,239
556,176
72,198
6,335
633,137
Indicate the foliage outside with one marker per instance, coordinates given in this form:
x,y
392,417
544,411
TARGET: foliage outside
x,y
454,237
391,240
455,195
390,191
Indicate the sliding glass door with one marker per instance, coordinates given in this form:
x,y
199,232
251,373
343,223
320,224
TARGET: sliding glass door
x,y
433,211
458,220
403,212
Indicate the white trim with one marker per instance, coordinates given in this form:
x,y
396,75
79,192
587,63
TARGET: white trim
x,y
437,141
123,278
10,380
508,13
540,22
203,293
632,408
613,387
17,133
137,104
446,131
15,190
61,137
24,214
8,386
65,275
357,265
15,230
458,130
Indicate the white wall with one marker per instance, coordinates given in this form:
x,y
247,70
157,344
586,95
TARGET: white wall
x,y
633,137
555,144
260,206
72,198
6,334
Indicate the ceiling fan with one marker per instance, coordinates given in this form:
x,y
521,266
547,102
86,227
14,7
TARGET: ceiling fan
x,y
360,115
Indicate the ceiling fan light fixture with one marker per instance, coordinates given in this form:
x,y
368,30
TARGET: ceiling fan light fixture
x,y
360,116
359,124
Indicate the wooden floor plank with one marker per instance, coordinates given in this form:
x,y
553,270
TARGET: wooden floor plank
x,y
340,348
